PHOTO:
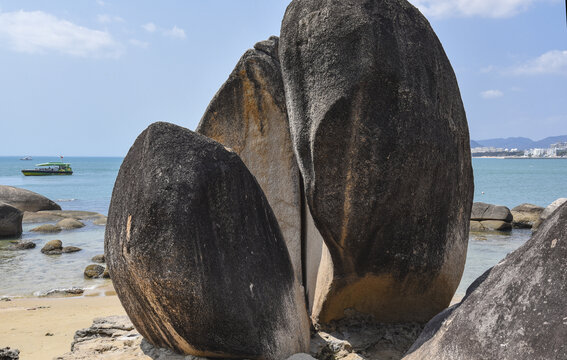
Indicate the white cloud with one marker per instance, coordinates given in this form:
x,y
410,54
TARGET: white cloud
x,y
551,63
491,94
175,32
140,44
469,8
487,69
100,2
105,19
39,32
150,27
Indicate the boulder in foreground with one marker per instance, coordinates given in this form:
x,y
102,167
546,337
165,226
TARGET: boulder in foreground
x,y
381,139
10,220
196,254
26,200
516,310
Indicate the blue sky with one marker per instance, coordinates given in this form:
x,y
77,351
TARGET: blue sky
x,y
84,78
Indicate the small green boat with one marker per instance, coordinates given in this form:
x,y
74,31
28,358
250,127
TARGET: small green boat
x,y
50,168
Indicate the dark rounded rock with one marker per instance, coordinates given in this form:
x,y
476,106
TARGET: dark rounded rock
x,y
94,271
196,254
248,114
516,310
26,200
10,220
483,211
381,139
98,258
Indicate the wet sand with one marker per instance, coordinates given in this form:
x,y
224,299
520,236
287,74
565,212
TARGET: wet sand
x,y
24,323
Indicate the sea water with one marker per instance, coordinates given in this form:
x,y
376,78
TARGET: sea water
x,y
508,182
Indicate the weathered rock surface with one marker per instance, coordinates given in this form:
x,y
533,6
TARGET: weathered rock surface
x,y
483,211
10,220
70,223
26,200
58,215
526,215
53,247
9,354
94,271
248,115
46,228
193,229
98,259
114,337
361,338
549,210
516,310
372,102
22,245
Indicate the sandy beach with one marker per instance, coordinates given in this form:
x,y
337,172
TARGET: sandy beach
x,y
25,323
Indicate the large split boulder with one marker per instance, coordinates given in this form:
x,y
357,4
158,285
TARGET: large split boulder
x,y
381,140
516,310
196,254
248,115
489,217
26,200
10,220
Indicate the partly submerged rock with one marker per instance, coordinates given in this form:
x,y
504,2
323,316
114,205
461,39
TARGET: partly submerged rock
x,y
248,115
490,225
53,247
22,245
58,215
70,249
26,200
94,271
101,220
70,223
516,310
381,139
10,221
98,258
46,228
526,215
187,226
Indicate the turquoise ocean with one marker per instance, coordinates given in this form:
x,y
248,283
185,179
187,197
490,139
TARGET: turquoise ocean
x,y
24,273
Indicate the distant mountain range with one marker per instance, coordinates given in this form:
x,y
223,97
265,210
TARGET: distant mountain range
x,y
520,143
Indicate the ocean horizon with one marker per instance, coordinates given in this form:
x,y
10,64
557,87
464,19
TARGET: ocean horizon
x,y
508,182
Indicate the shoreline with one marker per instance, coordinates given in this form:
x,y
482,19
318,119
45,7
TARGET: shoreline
x,y
43,328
